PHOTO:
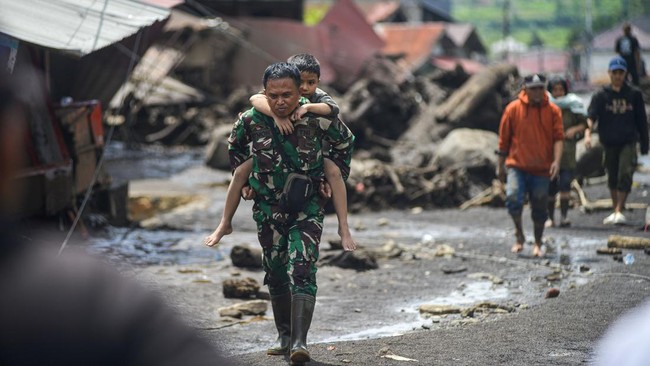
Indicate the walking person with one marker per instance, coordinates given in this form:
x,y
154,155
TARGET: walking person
x,y
574,120
530,147
619,111
627,46
289,228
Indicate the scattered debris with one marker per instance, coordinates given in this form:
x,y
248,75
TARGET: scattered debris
x,y
387,353
627,242
432,309
452,270
489,306
609,251
252,307
246,257
486,276
360,260
240,288
444,250
552,292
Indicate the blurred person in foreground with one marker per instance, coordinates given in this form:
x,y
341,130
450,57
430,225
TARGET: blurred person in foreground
x,y
625,343
70,309
574,120
531,137
619,111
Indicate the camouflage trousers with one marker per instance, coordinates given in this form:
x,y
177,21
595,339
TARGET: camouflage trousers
x,y
290,252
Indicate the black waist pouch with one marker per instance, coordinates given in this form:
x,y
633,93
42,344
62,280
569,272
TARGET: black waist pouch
x,y
296,193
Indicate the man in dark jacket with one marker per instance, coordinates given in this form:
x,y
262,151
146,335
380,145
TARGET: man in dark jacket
x,y
619,110
627,46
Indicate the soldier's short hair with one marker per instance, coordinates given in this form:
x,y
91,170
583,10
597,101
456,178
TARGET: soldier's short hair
x,y
281,70
305,63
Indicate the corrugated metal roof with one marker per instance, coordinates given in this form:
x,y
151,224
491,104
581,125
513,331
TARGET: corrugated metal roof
x,y
76,26
164,3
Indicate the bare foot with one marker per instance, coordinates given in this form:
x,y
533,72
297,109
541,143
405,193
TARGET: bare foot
x,y
537,251
347,242
219,232
517,248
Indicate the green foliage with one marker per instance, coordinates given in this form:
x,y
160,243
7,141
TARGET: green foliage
x,y
558,23
314,13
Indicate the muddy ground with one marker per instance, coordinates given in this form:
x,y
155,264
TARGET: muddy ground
x,y
362,316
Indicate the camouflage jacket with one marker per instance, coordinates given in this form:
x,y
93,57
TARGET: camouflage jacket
x,y
252,136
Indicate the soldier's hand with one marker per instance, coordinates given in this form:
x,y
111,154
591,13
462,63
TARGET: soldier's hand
x,y
325,190
284,125
247,193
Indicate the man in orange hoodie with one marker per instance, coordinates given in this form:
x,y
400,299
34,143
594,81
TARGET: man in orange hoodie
x,y
530,147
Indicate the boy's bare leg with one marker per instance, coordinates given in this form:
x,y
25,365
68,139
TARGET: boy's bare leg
x,y
233,195
340,200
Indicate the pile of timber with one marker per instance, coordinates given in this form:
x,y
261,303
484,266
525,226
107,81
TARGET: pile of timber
x,y
375,185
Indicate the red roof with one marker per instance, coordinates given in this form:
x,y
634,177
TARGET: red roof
x,y
541,61
377,12
342,42
415,42
449,63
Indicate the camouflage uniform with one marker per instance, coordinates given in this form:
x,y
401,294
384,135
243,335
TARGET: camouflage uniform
x,y
289,242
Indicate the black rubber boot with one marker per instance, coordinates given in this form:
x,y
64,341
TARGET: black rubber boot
x,y
282,315
302,309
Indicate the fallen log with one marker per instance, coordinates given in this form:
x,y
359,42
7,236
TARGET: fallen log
x,y
606,204
493,196
474,92
627,242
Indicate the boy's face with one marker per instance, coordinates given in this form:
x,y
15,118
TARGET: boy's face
x,y
283,96
308,83
558,90
617,77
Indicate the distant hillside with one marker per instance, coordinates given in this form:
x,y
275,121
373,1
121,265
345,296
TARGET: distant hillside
x,y
556,22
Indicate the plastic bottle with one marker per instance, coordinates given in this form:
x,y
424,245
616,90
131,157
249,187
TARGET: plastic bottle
x,y
628,259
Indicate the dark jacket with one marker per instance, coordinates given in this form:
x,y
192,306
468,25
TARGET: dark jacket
x,y
620,116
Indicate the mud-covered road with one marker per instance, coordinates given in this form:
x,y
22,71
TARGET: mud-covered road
x,y
352,306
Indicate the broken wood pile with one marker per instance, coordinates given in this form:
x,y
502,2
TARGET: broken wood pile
x,y
399,122
377,185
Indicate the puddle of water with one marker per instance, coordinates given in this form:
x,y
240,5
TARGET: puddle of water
x,y
473,293
379,332
146,247
149,161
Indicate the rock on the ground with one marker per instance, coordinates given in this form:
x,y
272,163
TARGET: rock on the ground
x,y
240,288
246,257
433,309
252,307
471,149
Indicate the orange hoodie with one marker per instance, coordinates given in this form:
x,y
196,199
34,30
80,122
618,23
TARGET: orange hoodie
x,y
527,134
